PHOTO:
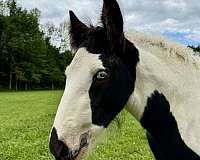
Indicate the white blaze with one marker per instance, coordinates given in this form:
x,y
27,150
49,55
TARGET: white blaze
x,y
74,115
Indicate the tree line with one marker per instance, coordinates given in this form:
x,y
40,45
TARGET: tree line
x,y
196,48
28,60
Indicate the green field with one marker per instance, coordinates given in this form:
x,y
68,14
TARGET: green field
x,y
26,119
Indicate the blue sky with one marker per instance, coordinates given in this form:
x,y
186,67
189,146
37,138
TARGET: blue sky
x,y
178,20
181,37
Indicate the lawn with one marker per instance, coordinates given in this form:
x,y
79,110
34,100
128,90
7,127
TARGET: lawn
x,y
26,119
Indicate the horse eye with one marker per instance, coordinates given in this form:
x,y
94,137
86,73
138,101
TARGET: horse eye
x,y
102,75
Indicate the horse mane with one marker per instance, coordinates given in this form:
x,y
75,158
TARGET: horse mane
x,y
163,47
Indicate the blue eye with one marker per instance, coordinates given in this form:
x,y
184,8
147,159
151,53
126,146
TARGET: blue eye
x,y
102,75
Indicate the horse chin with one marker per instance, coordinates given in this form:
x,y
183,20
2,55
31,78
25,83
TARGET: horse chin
x,y
84,145
86,149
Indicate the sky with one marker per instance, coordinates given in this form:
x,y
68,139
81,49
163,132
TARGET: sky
x,y
178,20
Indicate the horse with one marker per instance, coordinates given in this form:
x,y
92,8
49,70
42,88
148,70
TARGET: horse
x,y
157,81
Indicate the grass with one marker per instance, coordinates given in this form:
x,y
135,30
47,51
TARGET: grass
x,y
26,119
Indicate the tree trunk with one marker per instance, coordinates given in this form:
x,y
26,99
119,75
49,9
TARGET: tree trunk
x,y
10,74
52,86
26,86
19,85
10,80
16,85
30,85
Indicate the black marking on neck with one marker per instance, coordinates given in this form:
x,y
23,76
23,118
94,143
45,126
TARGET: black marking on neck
x,y
162,131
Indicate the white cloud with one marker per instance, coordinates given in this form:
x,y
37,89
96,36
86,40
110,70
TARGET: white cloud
x,y
156,16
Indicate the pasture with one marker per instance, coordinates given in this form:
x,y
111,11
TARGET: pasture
x,y
26,119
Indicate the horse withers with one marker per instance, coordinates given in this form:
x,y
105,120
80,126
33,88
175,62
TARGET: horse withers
x,y
108,73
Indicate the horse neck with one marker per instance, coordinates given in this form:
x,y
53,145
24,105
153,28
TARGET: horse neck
x,y
168,76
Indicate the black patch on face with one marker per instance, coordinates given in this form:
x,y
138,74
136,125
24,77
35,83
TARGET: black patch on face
x,y
109,98
162,131
119,57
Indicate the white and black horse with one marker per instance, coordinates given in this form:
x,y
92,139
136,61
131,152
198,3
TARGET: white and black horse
x,y
158,81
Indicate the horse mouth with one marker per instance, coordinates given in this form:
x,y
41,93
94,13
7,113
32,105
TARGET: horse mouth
x,y
81,150
77,154
84,143
81,153
61,150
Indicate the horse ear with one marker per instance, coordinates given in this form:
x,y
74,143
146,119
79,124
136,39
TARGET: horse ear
x,y
112,21
77,31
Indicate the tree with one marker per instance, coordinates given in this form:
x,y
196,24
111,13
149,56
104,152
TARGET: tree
x,y
58,35
28,58
196,49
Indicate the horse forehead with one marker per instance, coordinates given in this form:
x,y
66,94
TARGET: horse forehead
x,y
85,61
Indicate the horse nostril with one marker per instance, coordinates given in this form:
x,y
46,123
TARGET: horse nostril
x,y
74,153
84,140
57,147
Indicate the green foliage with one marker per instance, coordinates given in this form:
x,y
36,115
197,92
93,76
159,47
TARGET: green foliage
x,y
196,49
28,59
26,120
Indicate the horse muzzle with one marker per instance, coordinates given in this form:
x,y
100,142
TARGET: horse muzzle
x,y
62,152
